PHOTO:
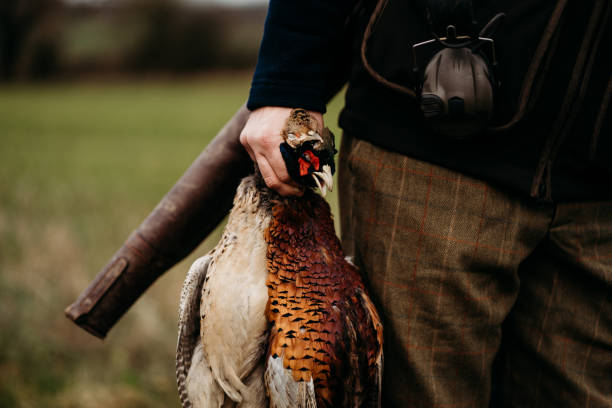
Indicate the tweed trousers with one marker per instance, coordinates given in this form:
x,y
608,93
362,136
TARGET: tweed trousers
x,y
488,298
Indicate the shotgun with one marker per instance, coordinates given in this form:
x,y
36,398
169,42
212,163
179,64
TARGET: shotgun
x,y
194,206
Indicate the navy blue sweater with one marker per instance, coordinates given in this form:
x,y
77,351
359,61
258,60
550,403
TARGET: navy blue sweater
x,y
299,61
308,51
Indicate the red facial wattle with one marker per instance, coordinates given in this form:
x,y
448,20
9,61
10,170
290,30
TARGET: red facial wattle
x,y
308,159
304,165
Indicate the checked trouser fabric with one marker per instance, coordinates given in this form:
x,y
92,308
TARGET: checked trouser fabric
x,y
488,299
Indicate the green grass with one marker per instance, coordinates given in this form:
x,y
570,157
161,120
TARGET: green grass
x,y
81,165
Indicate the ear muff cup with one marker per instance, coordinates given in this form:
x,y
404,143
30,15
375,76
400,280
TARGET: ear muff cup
x,y
457,93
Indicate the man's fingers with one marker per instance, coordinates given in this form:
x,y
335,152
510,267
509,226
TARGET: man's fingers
x,y
244,142
261,137
272,180
266,146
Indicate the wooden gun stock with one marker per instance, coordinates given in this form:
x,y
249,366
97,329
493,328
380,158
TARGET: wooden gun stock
x,y
185,216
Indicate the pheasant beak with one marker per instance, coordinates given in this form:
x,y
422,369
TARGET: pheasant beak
x,y
324,179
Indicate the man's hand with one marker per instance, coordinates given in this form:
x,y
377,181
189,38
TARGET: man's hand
x,y
261,137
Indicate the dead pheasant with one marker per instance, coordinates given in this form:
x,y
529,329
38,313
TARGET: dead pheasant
x,y
274,316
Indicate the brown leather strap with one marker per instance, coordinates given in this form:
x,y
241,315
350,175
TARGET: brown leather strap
x,y
380,7
572,100
534,67
600,119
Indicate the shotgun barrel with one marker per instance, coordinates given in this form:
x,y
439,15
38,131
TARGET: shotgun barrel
x,y
194,206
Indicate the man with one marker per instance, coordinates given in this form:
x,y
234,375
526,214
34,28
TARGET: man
x,y
490,257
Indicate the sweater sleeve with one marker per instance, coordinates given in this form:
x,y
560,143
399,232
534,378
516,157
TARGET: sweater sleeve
x,y
299,58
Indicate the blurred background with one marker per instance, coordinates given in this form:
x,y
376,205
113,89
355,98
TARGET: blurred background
x,y
103,105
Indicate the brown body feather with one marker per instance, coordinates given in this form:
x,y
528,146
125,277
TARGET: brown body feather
x,y
324,326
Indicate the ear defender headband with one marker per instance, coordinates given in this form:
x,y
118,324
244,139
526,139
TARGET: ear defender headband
x,y
456,84
456,87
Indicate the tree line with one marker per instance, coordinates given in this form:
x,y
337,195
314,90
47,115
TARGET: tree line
x,y
46,39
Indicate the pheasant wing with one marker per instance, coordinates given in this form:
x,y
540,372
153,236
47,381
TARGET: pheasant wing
x,y
374,350
364,357
189,322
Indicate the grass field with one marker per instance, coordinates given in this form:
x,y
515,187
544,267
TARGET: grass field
x,y
81,165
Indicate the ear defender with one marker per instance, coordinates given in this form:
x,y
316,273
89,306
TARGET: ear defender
x,y
457,93
458,84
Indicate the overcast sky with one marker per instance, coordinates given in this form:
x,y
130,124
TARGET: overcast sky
x,y
232,2
229,2
224,2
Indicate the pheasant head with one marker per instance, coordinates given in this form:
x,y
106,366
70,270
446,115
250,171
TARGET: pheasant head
x,y
308,152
